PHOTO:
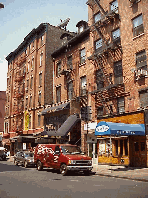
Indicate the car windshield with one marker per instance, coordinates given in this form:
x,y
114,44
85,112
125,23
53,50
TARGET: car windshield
x,y
71,150
28,154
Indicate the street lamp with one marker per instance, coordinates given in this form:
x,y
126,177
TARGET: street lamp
x,y
1,5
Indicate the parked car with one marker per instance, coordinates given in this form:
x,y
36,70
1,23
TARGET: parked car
x,y
63,157
2,153
24,158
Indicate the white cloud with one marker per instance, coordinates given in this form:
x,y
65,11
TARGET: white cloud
x,y
3,74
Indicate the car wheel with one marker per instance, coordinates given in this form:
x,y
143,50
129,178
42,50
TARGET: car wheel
x,y
39,166
63,169
25,164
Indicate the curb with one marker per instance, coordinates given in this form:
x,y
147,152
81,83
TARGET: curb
x,y
121,177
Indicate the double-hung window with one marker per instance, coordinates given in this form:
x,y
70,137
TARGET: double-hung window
x,y
99,79
116,34
58,69
58,94
70,90
83,86
141,60
138,26
69,62
97,17
120,105
82,56
114,6
118,74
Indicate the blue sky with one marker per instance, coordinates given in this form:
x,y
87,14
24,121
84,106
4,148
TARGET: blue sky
x,y
19,17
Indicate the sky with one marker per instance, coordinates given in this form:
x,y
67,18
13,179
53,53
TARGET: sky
x,y
19,17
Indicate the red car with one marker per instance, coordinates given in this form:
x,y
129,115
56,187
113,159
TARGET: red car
x,y
64,157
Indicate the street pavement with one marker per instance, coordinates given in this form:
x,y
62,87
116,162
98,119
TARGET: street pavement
x,y
132,173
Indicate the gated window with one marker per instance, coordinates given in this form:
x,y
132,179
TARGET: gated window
x,y
118,75
141,62
99,79
138,26
120,105
82,56
70,90
69,62
58,70
97,17
58,94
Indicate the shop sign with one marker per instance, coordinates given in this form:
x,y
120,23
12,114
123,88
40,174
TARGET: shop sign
x,y
102,128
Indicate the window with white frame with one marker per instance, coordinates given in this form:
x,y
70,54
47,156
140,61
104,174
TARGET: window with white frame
x,y
82,56
138,25
97,17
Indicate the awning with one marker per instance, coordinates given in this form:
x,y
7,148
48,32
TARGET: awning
x,y
119,129
65,128
56,108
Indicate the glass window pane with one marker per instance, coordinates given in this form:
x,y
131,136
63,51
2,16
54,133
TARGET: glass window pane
x,y
98,44
137,21
114,5
116,34
97,17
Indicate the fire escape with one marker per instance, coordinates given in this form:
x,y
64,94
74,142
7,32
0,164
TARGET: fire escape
x,y
108,48
18,96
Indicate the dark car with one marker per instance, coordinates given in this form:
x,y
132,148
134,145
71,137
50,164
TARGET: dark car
x,y
24,158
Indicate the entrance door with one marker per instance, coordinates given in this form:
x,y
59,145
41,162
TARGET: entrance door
x,y
92,152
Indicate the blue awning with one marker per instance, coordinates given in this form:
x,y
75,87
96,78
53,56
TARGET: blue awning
x,y
111,128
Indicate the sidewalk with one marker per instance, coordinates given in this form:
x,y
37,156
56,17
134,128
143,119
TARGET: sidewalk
x,y
132,173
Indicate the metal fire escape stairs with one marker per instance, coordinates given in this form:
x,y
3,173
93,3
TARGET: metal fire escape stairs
x,y
107,18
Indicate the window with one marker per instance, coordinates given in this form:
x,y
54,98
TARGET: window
x,y
100,111
97,17
116,34
138,26
99,79
39,119
32,63
40,79
27,83
70,90
141,62
69,62
28,66
29,121
39,99
120,105
42,39
30,104
27,102
58,94
58,70
143,95
81,28
41,59
83,86
116,146
31,82
98,44
114,6
82,56
118,76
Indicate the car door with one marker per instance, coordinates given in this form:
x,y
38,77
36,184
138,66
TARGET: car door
x,y
56,162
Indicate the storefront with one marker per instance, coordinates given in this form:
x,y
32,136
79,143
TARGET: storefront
x,y
120,143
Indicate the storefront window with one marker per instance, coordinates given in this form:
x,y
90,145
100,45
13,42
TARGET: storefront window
x,y
116,145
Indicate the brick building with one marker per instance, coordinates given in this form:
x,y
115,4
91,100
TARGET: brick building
x,y
102,72
2,114
29,84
